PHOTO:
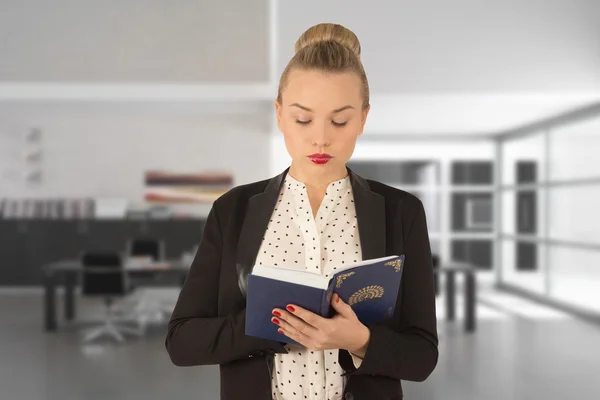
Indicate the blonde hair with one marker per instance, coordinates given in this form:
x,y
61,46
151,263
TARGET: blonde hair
x,y
329,48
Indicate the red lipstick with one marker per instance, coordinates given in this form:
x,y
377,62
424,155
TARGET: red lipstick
x,y
320,158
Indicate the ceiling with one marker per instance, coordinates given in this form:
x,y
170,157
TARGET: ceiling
x,y
466,114
461,68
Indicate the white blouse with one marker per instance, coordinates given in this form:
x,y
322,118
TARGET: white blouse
x,y
297,240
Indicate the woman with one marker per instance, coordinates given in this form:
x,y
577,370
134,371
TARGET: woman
x,y
316,215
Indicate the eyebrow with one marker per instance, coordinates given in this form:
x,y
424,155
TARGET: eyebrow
x,y
310,110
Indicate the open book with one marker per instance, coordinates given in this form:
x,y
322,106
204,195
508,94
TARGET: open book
x,y
370,287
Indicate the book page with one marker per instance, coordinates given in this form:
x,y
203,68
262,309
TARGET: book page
x,y
361,263
290,275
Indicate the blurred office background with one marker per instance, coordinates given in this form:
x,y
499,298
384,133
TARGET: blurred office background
x,y
120,121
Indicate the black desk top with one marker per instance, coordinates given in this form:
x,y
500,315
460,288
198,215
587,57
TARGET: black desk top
x,y
76,266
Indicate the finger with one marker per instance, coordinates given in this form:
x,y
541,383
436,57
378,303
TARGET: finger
x,y
307,316
286,316
291,331
296,323
341,307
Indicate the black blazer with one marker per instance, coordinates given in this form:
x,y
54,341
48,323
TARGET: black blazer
x,y
208,322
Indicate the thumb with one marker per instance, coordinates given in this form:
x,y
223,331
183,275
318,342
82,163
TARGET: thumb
x,y
341,307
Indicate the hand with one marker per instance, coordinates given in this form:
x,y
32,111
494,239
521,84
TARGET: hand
x,y
343,331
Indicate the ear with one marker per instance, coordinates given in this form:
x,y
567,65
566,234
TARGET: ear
x,y
278,114
364,119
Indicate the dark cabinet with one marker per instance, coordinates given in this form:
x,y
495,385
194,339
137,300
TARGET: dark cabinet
x,y
26,245
179,237
105,234
48,241
13,252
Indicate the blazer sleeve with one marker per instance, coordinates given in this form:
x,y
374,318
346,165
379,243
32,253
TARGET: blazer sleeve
x,y
196,334
407,347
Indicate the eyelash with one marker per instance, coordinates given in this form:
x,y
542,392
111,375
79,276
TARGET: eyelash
x,y
339,125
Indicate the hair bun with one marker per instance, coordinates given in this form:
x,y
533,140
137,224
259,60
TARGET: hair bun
x,y
329,32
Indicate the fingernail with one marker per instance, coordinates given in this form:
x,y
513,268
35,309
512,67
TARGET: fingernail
x,y
279,330
337,298
275,320
291,309
277,313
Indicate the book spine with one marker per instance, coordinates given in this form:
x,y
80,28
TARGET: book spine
x,y
326,309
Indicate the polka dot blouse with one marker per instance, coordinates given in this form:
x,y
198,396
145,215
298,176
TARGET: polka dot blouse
x,y
297,240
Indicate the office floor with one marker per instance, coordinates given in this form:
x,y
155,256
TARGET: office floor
x,y
520,351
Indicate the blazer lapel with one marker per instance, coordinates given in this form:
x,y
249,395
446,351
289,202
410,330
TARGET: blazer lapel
x,y
259,211
370,215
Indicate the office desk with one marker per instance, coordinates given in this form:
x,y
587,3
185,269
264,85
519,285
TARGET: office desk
x,y
70,270
470,288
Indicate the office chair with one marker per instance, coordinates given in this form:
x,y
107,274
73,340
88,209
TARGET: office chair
x,y
153,248
148,307
104,276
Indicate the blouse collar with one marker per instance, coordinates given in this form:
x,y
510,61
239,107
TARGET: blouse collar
x,y
295,185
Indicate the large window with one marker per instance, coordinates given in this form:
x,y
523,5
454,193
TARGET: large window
x,y
550,199
523,207
421,178
458,198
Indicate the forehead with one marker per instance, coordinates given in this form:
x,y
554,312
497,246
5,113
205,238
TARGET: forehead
x,y
315,89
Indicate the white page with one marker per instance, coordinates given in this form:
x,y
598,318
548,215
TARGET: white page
x,y
290,275
360,263
304,277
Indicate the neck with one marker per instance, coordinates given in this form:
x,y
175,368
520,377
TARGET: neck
x,y
320,180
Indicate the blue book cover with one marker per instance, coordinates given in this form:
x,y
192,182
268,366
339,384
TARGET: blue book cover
x,y
370,287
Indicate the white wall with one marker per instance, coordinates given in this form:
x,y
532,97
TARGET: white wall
x,y
462,45
104,150
134,40
573,150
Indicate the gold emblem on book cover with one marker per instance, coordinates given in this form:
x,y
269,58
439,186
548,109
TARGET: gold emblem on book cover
x,y
397,264
341,278
366,293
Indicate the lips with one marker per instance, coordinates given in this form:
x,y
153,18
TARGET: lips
x,y
320,158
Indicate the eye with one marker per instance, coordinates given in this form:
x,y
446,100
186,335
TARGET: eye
x,y
302,122
340,124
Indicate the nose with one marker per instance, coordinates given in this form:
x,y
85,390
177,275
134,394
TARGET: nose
x,y
321,136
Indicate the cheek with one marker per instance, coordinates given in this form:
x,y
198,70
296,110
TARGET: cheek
x,y
293,137
346,139
349,133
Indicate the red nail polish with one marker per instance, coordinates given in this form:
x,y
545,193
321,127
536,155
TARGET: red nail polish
x,y
291,309
280,331
337,298
277,313
275,320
